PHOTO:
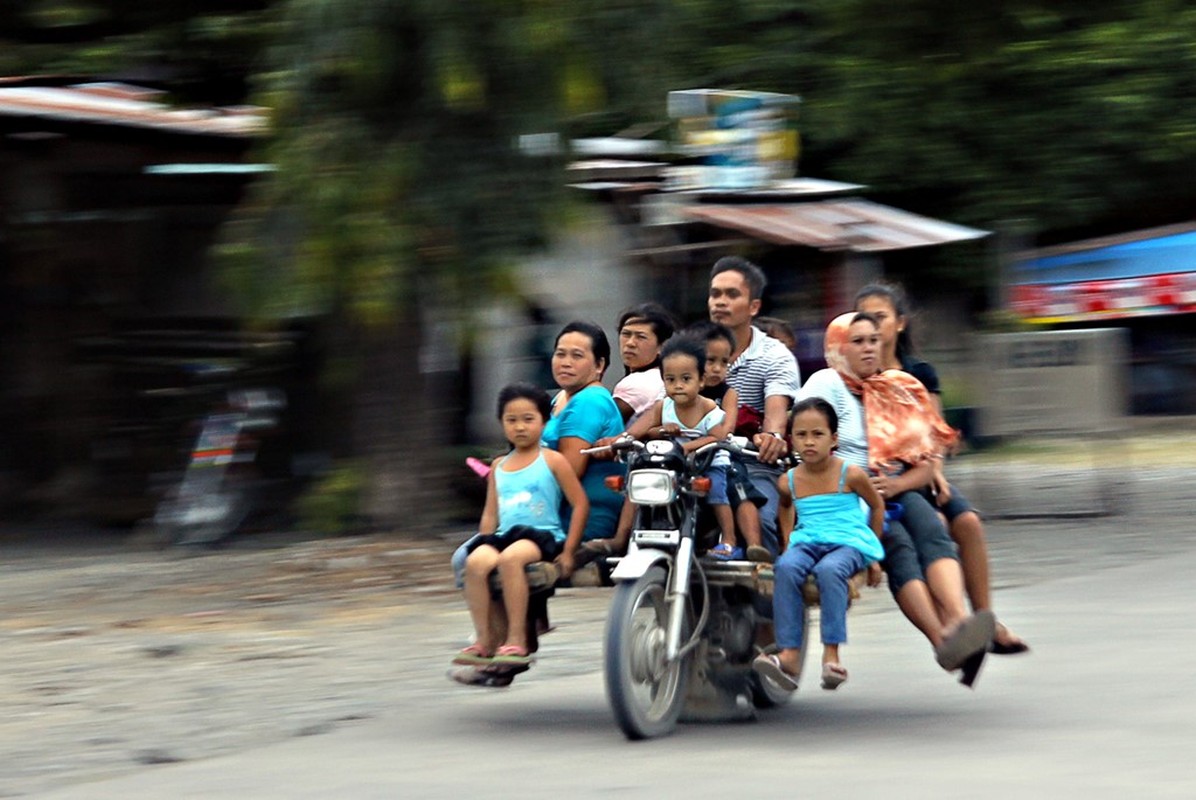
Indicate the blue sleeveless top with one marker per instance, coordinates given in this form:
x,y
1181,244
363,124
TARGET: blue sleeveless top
x,y
529,496
837,518
713,418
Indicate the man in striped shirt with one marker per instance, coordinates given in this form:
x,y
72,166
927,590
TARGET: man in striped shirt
x,y
763,372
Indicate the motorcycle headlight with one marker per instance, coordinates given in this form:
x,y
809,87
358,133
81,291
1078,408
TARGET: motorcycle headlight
x,y
651,487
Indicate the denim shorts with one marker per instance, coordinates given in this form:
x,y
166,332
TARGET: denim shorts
x,y
739,486
915,542
958,504
717,496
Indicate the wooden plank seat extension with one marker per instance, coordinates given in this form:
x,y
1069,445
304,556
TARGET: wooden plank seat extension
x,y
810,589
543,578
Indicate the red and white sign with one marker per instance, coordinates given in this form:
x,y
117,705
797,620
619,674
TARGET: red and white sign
x,y
1148,295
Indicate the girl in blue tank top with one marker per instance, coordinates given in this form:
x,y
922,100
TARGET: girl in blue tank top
x,y
834,538
521,524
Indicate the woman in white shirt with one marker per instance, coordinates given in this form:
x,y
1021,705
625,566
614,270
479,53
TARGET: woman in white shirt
x,y
643,329
888,427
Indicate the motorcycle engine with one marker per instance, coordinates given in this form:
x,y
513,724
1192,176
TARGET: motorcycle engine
x,y
734,630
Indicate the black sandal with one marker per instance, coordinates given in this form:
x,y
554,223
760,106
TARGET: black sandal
x,y
971,669
1008,648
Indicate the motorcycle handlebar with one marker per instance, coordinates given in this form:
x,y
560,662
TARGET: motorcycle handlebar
x,y
618,445
735,444
739,445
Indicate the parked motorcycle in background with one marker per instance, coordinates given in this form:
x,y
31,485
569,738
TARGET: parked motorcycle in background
x,y
683,628
220,485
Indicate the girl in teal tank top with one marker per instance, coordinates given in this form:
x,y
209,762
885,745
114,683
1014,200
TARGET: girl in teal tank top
x,y
834,538
521,524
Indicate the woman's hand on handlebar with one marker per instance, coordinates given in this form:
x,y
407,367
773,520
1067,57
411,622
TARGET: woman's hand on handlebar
x,y
601,449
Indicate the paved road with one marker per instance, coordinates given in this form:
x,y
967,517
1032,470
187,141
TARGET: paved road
x,y
1100,710
317,669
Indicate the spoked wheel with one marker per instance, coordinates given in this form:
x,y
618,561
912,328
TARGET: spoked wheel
x,y
765,693
645,691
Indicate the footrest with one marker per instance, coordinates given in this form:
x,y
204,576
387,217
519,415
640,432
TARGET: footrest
x,y
766,578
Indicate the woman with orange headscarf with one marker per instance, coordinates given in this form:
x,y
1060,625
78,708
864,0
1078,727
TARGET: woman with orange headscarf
x,y
888,427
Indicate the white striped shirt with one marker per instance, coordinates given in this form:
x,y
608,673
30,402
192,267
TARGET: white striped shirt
x,y
764,369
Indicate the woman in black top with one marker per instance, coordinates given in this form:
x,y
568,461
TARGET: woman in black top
x,y
888,304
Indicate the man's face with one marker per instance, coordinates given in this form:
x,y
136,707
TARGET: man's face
x,y
729,301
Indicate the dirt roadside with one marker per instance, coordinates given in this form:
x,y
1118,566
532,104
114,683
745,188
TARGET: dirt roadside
x,y
126,657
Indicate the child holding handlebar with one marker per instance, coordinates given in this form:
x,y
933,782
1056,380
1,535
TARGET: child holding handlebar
x,y
696,421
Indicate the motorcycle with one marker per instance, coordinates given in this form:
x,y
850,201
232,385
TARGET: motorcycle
x,y
683,627
216,491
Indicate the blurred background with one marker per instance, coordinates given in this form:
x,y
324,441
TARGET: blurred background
x,y
382,210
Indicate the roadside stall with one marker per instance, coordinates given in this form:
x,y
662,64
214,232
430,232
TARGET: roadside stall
x,y
1143,281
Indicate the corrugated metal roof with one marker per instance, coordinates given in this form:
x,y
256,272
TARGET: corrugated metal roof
x,y
1107,241
851,224
119,104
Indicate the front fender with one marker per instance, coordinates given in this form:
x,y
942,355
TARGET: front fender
x,y
633,565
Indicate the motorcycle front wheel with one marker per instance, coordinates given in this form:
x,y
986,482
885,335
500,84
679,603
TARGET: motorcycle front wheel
x,y
646,692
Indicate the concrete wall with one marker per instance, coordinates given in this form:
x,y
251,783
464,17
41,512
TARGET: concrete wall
x,y
583,276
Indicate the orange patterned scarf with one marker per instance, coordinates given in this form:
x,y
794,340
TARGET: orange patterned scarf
x,y
903,425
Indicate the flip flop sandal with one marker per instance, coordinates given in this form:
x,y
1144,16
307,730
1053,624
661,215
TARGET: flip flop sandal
x,y
768,665
725,552
973,635
834,675
592,551
760,554
473,656
1010,648
510,655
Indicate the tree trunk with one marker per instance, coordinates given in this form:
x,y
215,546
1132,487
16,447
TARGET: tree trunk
x,y
400,431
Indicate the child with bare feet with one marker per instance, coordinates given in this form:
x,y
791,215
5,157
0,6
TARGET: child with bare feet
x,y
834,539
521,524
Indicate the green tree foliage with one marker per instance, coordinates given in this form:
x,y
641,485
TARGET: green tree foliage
x,y
202,50
401,194
400,187
397,128
1070,115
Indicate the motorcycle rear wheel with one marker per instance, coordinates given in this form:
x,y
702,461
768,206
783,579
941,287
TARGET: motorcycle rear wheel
x,y
646,693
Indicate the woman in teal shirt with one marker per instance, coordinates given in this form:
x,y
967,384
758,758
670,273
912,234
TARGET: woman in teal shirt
x,y
584,412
